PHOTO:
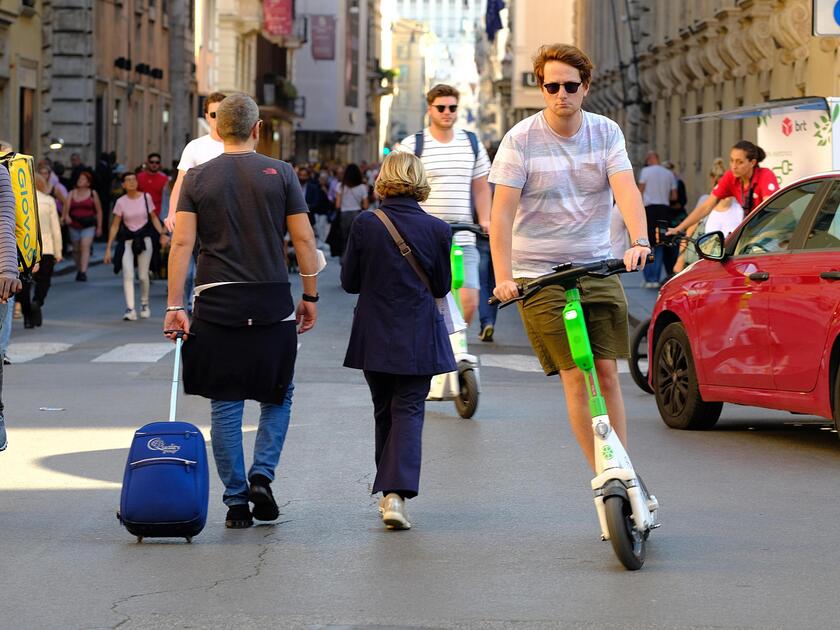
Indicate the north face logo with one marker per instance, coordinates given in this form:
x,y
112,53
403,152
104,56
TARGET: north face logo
x,y
270,171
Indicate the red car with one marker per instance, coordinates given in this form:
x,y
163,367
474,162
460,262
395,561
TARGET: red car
x,y
756,321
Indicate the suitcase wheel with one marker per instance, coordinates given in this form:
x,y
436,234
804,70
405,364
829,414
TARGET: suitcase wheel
x,y
139,539
189,539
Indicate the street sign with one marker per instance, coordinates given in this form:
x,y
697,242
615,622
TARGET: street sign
x,y
826,18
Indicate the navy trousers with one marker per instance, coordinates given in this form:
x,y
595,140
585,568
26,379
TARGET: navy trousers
x,y
399,403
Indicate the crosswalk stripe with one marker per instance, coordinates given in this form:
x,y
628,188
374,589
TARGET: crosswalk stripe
x,y
22,352
136,353
526,363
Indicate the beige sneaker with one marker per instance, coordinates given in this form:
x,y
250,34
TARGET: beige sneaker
x,y
393,512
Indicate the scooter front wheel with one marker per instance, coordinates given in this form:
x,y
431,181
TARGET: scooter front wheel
x,y
627,543
466,402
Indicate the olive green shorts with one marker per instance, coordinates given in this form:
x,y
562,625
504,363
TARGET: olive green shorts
x,y
605,312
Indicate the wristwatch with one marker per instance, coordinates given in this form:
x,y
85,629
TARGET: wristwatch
x,y
310,298
641,242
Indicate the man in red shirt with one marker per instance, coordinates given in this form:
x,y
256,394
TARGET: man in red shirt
x,y
152,180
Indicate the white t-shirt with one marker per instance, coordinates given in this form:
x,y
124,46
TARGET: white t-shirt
x,y
199,151
658,181
351,198
725,217
564,209
450,168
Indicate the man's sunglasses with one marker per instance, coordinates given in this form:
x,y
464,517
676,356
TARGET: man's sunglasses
x,y
570,86
212,114
154,161
442,108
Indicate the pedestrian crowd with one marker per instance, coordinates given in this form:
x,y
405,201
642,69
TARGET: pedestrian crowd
x,y
559,188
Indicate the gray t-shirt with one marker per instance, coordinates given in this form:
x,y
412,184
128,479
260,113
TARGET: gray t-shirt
x,y
659,182
564,210
241,201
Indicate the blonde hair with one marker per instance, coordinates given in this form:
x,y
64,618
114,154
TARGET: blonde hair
x,y
402,175
717,171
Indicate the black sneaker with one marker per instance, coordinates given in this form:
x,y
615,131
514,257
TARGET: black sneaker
x,y
265,507
238,517
6,360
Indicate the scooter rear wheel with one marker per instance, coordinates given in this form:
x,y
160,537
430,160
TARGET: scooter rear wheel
x,y
627,543
466,402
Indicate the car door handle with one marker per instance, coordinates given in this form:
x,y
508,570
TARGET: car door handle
x,y
759,276
830,275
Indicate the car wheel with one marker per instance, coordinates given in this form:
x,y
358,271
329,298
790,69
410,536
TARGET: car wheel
x,y
675,383
639,363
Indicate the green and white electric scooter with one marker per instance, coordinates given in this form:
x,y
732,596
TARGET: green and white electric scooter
x,y
626,511
463,385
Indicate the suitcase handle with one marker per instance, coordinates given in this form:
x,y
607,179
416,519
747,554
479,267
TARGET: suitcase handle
x,y
158,460
173,399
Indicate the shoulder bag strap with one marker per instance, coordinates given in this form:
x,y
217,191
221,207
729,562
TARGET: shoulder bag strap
x,y
405,250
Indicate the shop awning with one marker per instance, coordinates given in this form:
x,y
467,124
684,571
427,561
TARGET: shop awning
x,y
780,106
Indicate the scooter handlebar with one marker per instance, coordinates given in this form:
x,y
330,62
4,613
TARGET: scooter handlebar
x,y
568,271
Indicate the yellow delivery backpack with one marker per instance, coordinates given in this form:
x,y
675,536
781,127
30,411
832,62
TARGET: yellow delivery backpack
x,y
27,229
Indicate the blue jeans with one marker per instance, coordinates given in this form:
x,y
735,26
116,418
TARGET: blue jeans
x,y
653,271
226,438
6,312
487,282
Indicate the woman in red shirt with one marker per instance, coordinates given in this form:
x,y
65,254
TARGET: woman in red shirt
x,y
745,180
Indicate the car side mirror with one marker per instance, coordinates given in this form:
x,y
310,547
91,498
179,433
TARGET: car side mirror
x,y
710,246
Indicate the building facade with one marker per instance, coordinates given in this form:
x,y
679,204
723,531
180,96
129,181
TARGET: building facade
x,y
658,61
454,24
411,46
331,74
107,72
533,24
492,58
250,48
20,74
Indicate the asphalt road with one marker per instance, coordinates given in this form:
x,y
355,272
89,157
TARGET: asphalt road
x,y
504,536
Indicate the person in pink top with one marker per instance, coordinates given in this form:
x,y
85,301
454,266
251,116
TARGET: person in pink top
x,y
134,226
745,180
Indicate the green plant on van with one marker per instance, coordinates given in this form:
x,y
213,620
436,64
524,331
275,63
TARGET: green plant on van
x,y
823,127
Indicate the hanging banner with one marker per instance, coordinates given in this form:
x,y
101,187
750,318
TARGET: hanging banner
x,y
323,37
278,16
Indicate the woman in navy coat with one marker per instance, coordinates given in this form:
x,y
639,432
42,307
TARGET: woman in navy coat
x,y
398,337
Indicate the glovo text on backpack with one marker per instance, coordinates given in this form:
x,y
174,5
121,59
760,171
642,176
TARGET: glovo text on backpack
x,y
27,227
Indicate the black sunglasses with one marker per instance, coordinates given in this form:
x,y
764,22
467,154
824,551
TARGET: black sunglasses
x,y
442,108
154,161
212,114
570,86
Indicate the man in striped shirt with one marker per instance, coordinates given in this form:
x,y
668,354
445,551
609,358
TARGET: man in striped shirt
x,y
456,167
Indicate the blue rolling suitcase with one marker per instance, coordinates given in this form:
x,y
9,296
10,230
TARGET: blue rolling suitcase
x,y
166,481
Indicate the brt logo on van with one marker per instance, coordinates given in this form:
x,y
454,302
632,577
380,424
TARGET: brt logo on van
x,y
789,126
